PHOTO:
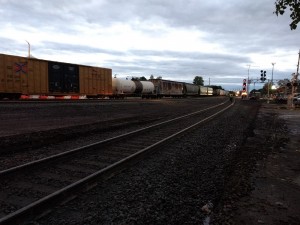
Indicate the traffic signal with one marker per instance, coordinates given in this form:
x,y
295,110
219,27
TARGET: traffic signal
x,y
244,85
263,75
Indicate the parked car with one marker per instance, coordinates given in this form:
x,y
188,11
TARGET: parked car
x,y
281,98
296,99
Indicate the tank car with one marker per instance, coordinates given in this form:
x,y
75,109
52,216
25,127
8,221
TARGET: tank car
x,y
147,90
124,88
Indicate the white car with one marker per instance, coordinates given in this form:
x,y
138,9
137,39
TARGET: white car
x,y
296,99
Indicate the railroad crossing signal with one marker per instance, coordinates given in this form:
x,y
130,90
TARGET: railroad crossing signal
x,y
263,75
244,85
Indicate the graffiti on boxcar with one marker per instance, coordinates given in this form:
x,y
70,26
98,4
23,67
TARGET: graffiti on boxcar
x,y
21,67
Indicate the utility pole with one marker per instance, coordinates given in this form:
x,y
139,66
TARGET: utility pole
x,y
295,79
248,81
268,101
298,66
28,49
272,73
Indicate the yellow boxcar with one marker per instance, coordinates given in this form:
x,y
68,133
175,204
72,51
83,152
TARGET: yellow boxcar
x,y
20,75
30,76
95,81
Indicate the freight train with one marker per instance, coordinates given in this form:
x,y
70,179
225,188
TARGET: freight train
x,y
158,88
21,77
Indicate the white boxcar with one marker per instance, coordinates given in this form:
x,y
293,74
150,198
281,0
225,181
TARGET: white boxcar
x,y
203,91
206,91
210,91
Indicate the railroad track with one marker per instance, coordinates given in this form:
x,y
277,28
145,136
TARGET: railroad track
x,y
30,189
33,144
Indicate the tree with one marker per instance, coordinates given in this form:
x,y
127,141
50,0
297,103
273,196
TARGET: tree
x,y
294,6
283,82
215,87
139,78
198,80
264,90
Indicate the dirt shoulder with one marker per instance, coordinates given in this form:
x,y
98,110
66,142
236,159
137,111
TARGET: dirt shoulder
x,y
265,186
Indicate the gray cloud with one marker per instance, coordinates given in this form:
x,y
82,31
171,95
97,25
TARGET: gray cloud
x,y
243,28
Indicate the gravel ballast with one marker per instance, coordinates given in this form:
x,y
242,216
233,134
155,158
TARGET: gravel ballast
x,y
173,184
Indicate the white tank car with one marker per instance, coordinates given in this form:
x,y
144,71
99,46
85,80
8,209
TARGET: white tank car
x,y
148,87
122,86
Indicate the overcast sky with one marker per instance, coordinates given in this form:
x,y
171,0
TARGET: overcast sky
x,y
175,39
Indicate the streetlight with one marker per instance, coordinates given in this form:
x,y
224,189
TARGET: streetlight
x,y
272,74
28,49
